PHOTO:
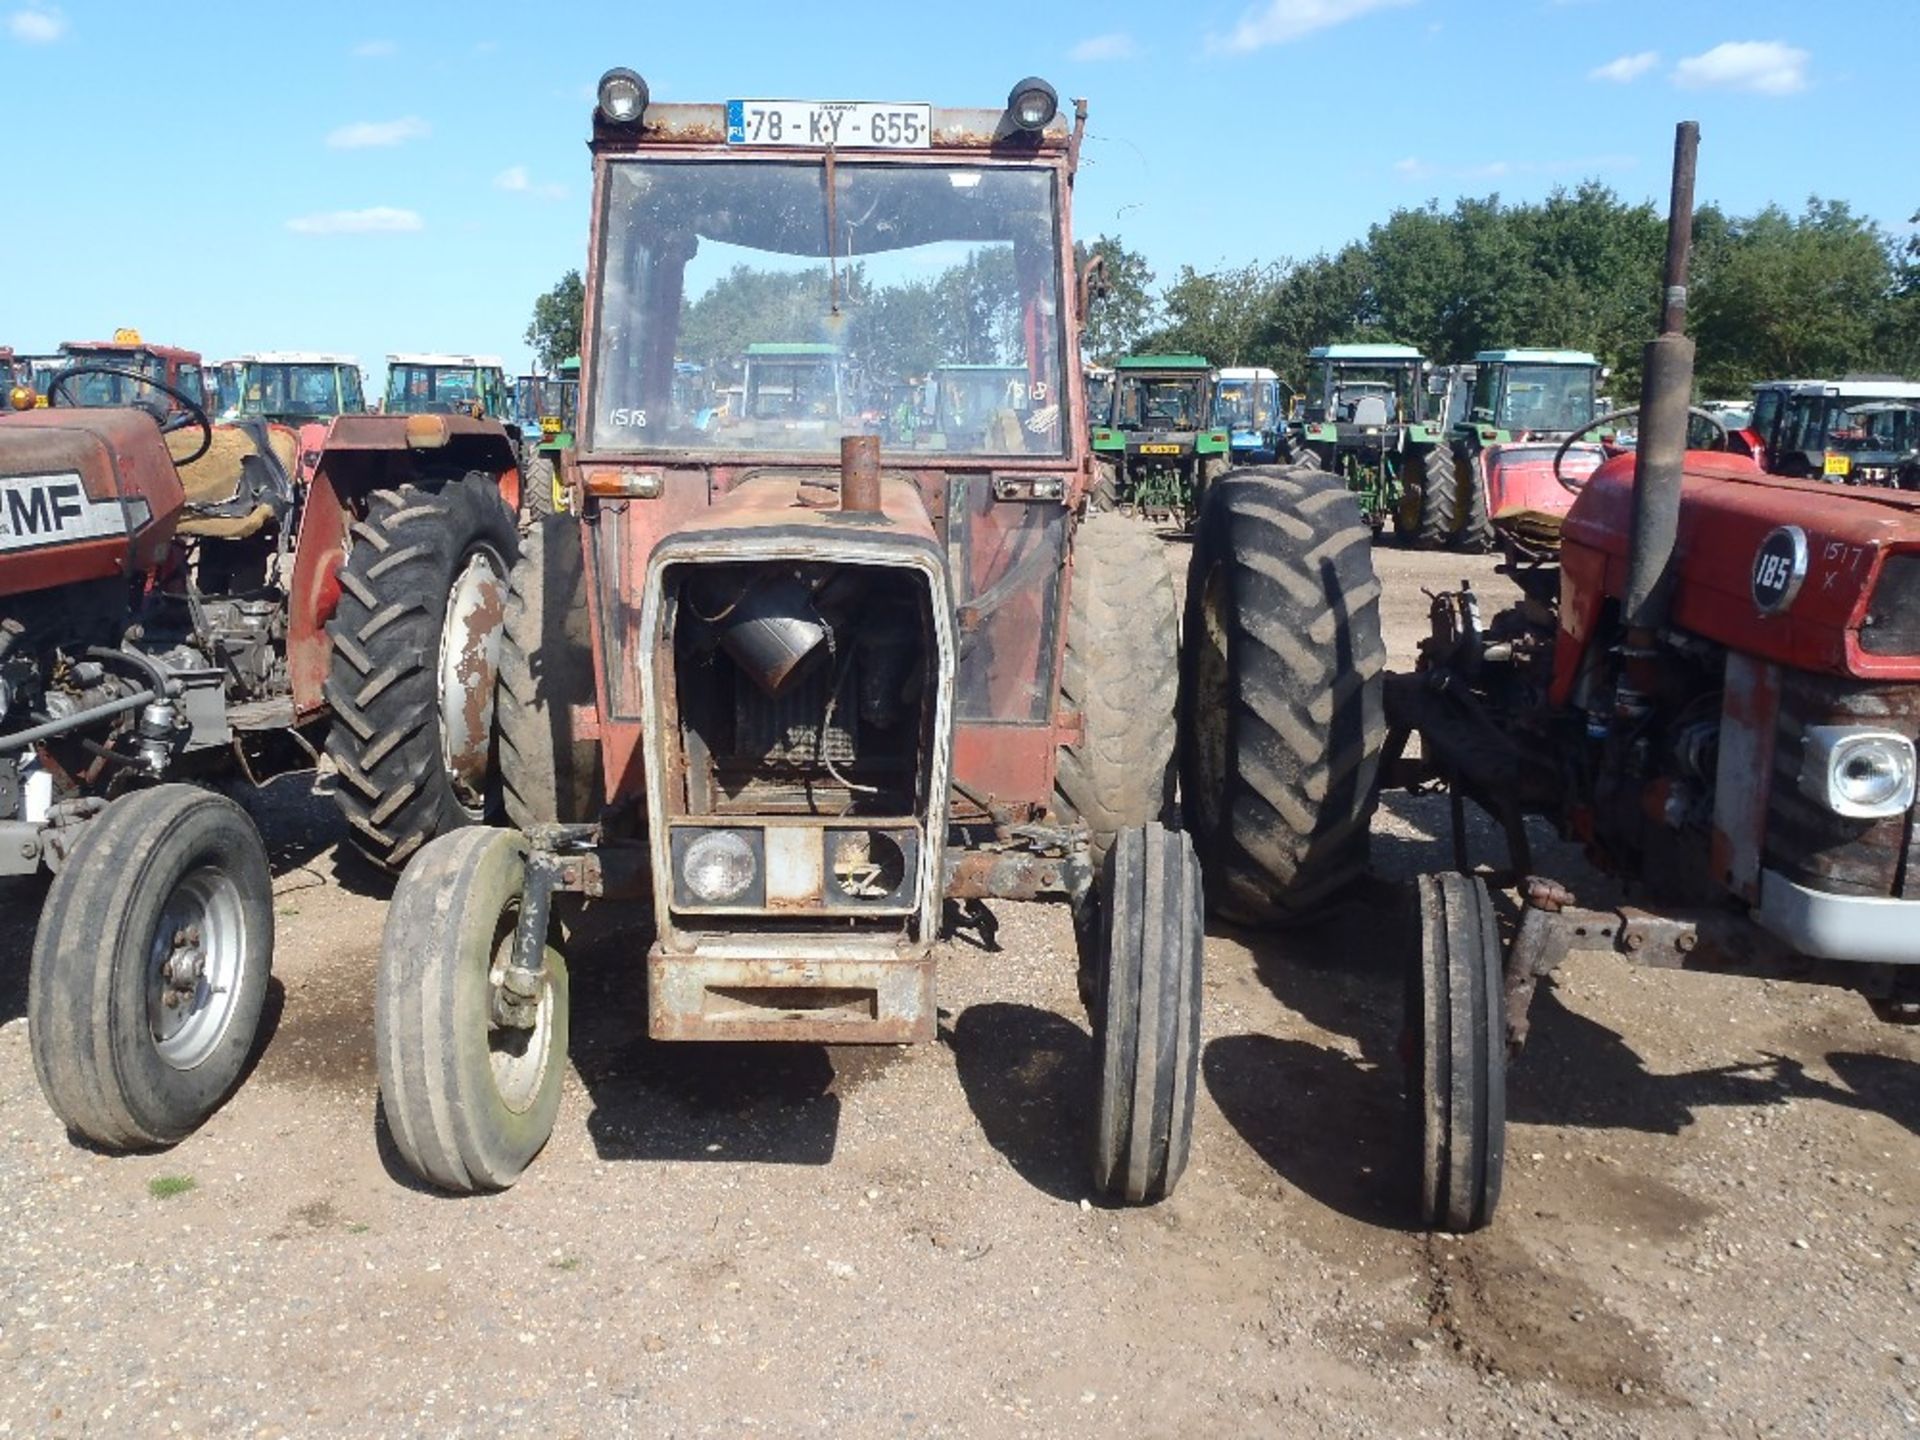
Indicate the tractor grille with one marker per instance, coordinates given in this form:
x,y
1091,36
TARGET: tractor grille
x,y
1806,842
1893,618
786,730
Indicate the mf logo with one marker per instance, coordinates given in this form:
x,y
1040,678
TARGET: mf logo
x,y
41,510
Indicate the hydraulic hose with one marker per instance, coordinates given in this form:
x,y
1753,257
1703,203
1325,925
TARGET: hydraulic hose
x,y
20,739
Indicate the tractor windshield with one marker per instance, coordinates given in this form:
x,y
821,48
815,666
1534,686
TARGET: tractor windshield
x,y
1247,404
111,390
297,391
1551,399
1099,398
414,389
1874,427
968,398
812,315
1363,394
1158,402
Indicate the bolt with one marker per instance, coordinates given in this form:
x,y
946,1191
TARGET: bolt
x,y
1634,940
28,850
1685,941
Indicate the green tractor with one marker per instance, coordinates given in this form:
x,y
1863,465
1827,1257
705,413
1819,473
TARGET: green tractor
x,y
546,406
1364,416
1158,447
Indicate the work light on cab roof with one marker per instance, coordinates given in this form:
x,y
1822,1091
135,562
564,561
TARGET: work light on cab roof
x,y
623,96
1032,104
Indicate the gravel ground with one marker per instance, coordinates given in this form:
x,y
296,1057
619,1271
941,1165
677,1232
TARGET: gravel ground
x,y
1710,1222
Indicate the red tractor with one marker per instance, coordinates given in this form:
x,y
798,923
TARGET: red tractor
x,y
789,692
1718,695
185,602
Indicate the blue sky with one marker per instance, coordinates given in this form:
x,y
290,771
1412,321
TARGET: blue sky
x,y
236,176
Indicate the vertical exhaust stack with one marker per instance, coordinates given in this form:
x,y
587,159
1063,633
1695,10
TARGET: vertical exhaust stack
x,y
860,474
1665,393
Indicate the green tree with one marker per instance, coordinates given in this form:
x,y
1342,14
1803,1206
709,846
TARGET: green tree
x,y
1217,313
1125,310
554,332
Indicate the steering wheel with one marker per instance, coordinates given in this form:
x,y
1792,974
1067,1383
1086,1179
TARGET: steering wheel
x,y
1612,417
196,415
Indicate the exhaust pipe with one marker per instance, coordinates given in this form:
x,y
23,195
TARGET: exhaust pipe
x,y
1666,390
860,474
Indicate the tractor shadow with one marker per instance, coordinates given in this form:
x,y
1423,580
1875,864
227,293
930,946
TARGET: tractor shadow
x,y
762,1103
1027,1075
1333,1120
20,902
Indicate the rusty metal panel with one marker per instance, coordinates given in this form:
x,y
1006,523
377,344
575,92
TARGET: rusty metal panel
x,y
1742,784
824,1001
1012,764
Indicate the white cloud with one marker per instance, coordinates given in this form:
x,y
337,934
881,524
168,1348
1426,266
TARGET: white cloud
x,y
1280,22
1763,67
375,50
375,220
378,134
36,25
1116,46
1626,69
517,180
1415,168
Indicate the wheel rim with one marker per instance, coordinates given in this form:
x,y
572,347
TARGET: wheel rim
x,y
518,1058
469,660
1209,721
194,966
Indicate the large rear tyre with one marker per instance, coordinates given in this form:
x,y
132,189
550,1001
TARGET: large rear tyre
x,y
150,967
1458,1082
1424,517
469,1101
1121,672
1281,709
537,482
416,643
1146,1014
1474,533
547,776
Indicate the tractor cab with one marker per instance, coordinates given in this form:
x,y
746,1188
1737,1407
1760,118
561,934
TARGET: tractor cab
x,y
1099,394
447,385
793,395
223,388
1855,431
1247,401
544,405
1362,386
1162,441
1528,394
298,387
179,370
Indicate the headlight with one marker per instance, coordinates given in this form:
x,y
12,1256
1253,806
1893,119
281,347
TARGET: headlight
x,y
623,96
1033,103
1862,774
718,867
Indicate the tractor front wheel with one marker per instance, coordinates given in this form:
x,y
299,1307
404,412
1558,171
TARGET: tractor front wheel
x,y
1474,533
470,1098
150,967
1146,1013
1281,706
416,643
1458,1078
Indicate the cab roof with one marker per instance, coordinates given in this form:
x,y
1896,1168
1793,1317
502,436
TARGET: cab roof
x,y
464,362
296,357
1853,389
134,347
775,349
1247,372
1523,355
1389,354
1162,362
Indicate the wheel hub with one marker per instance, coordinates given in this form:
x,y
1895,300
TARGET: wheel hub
x,y
194,967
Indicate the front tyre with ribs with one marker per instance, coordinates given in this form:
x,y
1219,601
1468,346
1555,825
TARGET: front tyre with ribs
x,y
1281,705
416,646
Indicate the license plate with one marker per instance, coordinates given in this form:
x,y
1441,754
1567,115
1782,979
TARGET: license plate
x,y
816,124
1838,465
1159,449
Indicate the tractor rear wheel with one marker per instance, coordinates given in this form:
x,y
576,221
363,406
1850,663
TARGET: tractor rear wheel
x,y
1281,704
1474,532
547,776
469,1099
416,642
150,967
536,488
1289,450
1121,673
1424,517
1457,1084
1146,1013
